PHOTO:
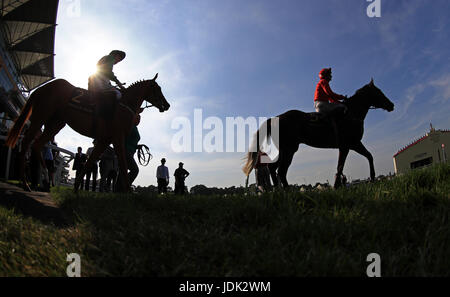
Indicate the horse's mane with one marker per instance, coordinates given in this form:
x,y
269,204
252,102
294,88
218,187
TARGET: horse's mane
x,y
358,93
137,84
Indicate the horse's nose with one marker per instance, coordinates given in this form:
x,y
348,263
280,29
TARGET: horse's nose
x,y
391,108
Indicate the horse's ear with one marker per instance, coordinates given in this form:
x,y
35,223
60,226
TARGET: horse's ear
x,y
156,76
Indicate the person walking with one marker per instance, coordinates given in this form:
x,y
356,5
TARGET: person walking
x,y
162,175
180,176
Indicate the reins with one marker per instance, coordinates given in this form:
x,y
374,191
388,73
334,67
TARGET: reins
x,y
147,105
144,155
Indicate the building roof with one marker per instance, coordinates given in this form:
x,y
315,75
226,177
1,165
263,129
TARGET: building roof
x,y
29,30
419,140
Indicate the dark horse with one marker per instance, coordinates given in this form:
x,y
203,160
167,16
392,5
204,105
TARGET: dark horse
x,y
107,121
296,127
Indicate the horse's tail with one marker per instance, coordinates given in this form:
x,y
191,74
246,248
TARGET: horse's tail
x,y
250,164
19,124
252,155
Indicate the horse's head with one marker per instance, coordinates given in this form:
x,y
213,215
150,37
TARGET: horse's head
x,y
154,95
375,97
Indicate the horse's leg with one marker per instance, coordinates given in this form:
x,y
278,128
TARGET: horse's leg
x,y
343,153
51,129
30,135
361,149
122,180
273,173
285,162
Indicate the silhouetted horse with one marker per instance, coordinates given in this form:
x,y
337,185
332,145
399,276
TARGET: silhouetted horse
x,y
296,127
98,116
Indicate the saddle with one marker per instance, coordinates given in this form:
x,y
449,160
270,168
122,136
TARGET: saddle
x,y
102,104
82,100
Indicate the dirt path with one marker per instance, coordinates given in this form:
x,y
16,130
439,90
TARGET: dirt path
x,y
38,205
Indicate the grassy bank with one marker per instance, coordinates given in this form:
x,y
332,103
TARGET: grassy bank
x,y
404,220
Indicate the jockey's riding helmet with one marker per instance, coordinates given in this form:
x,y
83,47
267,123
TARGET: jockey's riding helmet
x,y
325,73
121,54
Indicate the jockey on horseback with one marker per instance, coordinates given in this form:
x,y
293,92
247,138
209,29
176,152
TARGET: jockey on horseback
x,y
100,81
326,101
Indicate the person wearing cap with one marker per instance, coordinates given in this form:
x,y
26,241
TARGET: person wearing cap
x,y
162,175
327,102
101,81
180,176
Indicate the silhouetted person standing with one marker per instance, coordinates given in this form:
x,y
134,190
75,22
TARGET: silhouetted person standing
x,y
162,174
78,164
106,166
180,176
92,171
50,165
131,145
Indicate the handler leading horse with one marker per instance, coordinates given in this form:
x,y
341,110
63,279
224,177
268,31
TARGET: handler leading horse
x,y
59,103
296,127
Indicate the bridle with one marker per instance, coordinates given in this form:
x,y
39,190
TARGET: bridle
x,y
147,105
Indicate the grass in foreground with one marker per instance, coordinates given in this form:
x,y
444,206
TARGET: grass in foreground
x,y
405,221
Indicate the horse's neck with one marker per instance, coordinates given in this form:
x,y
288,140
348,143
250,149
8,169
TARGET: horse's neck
x,y
357,107
133,98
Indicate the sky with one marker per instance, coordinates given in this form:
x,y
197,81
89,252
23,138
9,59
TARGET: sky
x,y
259,58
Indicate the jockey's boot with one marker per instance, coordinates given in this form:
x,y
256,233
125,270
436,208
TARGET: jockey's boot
x,y
107,105
335,129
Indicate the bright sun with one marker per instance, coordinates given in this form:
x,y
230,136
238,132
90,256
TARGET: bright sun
x,y
84,63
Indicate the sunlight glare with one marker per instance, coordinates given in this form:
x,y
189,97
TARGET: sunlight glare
x,y
85,58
